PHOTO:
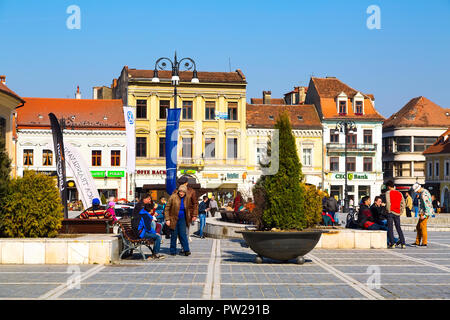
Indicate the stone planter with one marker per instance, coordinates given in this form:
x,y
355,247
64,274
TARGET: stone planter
x,y
282,246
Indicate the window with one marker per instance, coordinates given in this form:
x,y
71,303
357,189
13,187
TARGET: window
x,y
163,106
342,107
334,136
388,145
141,146
47,157
419,169
210,110
2,129
162,147
430,169
363,191
307,157
232,111
210,148
351,140
436,169
367,164
186,151
403,144
447,168
232,148
422,143
187,110
115,158
334,164
402,169
141,109
261,155
388,169
96,158
351,164
359,107
368,136
28,157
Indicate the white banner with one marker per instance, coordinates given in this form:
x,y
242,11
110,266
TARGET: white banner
x,y
83,177
131,140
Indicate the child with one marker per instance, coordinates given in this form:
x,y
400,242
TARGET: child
x,y
111,211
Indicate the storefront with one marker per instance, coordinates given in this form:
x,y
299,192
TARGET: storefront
x,y
358,185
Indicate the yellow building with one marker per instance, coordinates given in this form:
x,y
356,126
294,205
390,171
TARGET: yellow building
x,y
212,131
306,128
437,178
9,101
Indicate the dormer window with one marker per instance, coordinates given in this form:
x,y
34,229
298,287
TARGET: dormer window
x,y
358,104
359,107
342,107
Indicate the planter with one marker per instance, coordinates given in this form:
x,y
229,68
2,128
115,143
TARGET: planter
x,y
282,246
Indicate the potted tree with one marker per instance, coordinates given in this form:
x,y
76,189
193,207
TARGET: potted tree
x,y
287,210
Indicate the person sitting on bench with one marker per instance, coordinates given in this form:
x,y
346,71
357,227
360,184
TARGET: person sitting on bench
x,y
148,231
95,212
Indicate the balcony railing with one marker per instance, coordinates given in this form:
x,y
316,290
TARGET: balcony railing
x,y
370,147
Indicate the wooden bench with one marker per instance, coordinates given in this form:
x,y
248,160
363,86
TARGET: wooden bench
x,y
131,240
86,226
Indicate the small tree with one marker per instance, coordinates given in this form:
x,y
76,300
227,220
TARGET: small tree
x,y
282,200
5,170
31,208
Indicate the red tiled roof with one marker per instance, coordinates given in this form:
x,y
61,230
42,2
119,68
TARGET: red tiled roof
x,y
419,112
442,144
8,91
89,113
272,101
302,116
186,76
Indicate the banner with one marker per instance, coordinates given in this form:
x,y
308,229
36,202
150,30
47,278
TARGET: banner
x,y
173,117
83,177
131,140
60,160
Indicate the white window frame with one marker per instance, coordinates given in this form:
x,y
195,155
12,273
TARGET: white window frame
x,y
430,169
342,97
310,156
447,174
358,97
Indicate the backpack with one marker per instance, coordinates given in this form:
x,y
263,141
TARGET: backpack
x,y
352,221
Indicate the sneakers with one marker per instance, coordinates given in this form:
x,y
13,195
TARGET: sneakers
x,y
423,245
414,244
156,257
185,253
391,246
402,246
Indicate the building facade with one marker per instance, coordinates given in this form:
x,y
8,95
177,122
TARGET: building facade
x,y
95,127
9,103
335,101
437,163
212,129
406,135
306,128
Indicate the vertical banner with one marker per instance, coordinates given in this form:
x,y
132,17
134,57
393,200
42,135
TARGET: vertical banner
x,y
131,140
173,117
58,145
83,177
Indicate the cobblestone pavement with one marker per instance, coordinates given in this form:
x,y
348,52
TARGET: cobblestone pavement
x,y
225,269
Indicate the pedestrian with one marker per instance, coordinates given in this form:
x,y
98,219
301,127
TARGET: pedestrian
x,y
416,204
409,204
425,211
395,206
250,206
146,230
202,211
213,207
112,212
96,211
366,220
178,216
435,203
192,202
332,207
237,201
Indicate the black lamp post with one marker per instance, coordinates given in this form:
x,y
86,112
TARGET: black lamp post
x,y
346,127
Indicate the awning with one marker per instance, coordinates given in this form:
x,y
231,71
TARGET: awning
x,y
221,186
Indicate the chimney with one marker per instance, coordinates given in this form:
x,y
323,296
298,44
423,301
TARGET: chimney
x,y
266,97
301,95
3,79
78,94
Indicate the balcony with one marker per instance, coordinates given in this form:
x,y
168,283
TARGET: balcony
x,y
359,147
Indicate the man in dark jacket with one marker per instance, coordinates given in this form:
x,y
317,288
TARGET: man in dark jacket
x,y
144,203
147,231
365,218
379,211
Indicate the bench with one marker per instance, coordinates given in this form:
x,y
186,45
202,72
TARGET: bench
x,y
131,240
73,226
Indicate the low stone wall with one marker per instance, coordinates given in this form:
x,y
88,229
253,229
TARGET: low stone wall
x,y
84,249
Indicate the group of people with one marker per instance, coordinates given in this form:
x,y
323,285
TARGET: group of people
x,y
385,213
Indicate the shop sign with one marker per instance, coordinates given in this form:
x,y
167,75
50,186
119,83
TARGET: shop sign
x,y
116,174
221,115
210,175
98,174
185,171
351,176
232,175
148,172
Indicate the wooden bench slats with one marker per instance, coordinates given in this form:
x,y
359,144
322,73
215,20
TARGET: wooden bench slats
x,y
131,240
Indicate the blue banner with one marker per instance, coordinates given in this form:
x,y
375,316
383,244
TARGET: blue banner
x,y
173,121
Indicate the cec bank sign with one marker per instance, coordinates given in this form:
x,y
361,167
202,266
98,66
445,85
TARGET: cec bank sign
x,y
351,176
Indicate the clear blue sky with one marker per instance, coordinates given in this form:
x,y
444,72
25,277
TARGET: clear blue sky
x,y
277,44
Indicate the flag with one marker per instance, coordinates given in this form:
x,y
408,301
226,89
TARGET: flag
x,y
173,120
131,140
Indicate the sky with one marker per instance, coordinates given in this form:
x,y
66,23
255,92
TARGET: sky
x,y
277,44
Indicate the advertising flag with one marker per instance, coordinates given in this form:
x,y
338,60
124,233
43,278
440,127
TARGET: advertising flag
x,y
173,117
58,145
131,140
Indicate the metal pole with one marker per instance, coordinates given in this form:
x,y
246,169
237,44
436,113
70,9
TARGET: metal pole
x,y
345,160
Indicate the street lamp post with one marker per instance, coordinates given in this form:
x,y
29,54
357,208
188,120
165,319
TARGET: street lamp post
x,y
346,127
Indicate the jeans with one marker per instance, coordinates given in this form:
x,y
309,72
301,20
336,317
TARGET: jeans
x,y
335,216
416,212
394,219
156,238
202,224
179,231
377,226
